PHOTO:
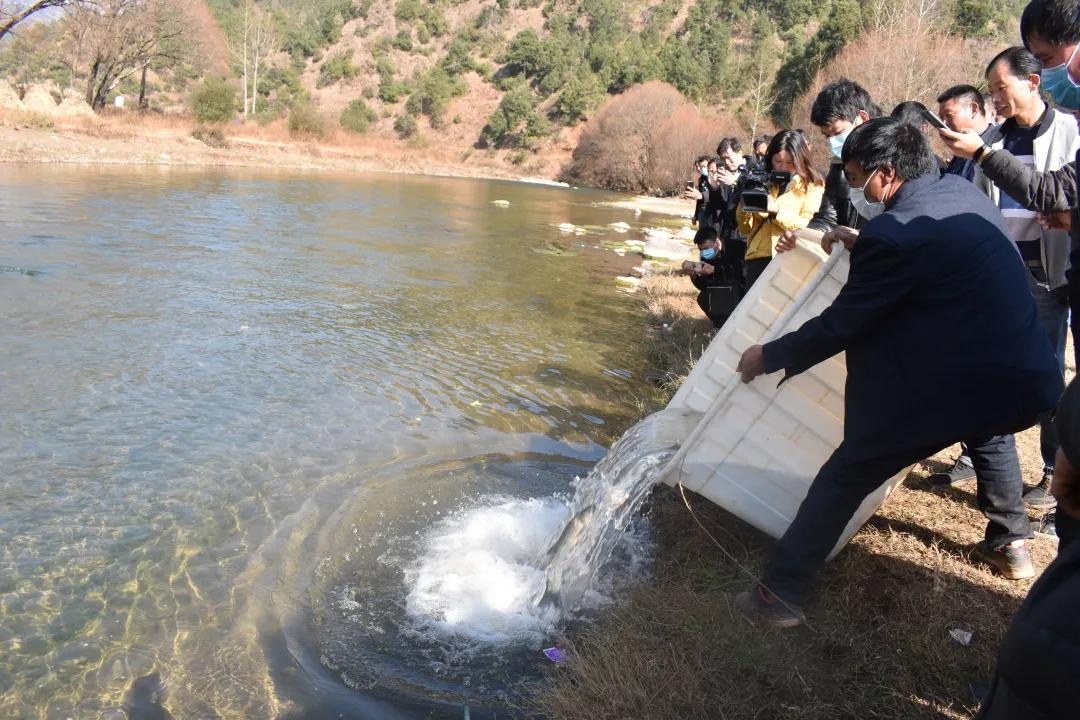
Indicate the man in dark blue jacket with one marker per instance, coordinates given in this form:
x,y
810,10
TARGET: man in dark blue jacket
x,y
934,261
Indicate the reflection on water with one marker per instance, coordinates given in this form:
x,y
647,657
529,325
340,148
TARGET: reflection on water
x,y
218,389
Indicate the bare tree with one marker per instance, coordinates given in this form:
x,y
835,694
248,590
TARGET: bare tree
x,y
251,42
118,38
13,13
165,43
759,99
263,45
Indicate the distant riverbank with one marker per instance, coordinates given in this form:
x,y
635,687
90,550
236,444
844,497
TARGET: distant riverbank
x,y
168,141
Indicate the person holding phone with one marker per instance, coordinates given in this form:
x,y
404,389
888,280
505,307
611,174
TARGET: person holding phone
x,y
697,188
1043,139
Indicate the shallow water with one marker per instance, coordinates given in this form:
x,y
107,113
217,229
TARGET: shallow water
x,y
237,409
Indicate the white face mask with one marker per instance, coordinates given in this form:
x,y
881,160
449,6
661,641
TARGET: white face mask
x,y
864,207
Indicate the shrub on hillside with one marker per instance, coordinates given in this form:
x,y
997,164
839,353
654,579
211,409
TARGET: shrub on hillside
x,y
213,101
434,90
458,59
403,40
405,125
357,116
934,60
337,67
579,98
514,110
615,149
306,121
677,141
408,10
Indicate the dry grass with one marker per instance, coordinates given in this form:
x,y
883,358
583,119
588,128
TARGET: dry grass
x,y
878,645
679,332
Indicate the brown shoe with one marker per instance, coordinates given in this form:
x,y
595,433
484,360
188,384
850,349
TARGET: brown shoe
x,y
1011,562
763,608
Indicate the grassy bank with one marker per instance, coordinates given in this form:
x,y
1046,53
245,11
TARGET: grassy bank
x,y
878,643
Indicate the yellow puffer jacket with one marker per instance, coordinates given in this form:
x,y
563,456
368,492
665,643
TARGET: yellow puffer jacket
x,y
794,208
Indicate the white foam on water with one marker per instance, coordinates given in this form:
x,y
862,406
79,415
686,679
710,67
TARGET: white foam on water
x,y
481,572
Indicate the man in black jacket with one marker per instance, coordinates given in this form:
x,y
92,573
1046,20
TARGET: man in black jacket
x,y
1036,677
934,261
839,108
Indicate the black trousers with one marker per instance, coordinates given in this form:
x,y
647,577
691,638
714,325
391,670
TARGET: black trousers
x,y
754,269
843,483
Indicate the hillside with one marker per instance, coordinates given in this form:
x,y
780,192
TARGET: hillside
x,y
511,82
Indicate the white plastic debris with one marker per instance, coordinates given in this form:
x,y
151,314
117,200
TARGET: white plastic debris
x,y
961,636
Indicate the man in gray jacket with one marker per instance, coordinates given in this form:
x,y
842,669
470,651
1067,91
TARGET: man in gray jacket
x,y
1051,30
1044,139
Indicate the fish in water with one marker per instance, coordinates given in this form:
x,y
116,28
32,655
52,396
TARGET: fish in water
x,y
143,701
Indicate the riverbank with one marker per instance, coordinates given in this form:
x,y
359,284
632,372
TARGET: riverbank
x,y
879,644
133,139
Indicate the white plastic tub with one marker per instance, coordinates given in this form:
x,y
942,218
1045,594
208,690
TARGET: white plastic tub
x,y
758,447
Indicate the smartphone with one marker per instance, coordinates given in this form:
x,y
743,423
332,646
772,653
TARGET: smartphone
x,y
934,119
689,184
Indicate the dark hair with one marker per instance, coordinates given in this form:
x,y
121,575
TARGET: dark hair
x,y
1057,22
1021,63
967,93
762,140
701,159
729,143
910,112
704,234
842,100
888,142
795,143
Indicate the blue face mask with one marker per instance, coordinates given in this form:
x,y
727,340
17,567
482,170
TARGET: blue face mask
x,y
708,253
1059,85
704,172
836,143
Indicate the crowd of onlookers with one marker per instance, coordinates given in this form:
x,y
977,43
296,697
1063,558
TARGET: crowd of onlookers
x,y
954,317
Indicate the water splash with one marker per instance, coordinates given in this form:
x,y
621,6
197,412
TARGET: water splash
x,y
512,570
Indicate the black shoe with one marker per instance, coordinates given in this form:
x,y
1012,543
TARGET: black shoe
x,y
762,607
1011,562
960,471
1047,526
1038,496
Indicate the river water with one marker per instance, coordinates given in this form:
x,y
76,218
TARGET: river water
x,y
242,413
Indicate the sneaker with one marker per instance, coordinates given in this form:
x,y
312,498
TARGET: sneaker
x,y
1012,562
762,607
961,470
1038,496
1047,526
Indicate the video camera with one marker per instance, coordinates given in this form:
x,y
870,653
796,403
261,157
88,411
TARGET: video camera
x,y
754,183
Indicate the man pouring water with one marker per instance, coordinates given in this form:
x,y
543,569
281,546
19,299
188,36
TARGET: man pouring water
x,y
933,261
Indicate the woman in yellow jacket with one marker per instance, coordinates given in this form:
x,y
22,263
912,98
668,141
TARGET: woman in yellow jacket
x,y
789,207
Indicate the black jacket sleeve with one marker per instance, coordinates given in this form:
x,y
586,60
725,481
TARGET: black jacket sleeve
x,y
876,283
1039,191
835,206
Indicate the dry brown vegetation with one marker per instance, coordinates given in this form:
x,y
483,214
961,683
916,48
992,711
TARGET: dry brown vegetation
x,y
920,68
878,644
645,140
